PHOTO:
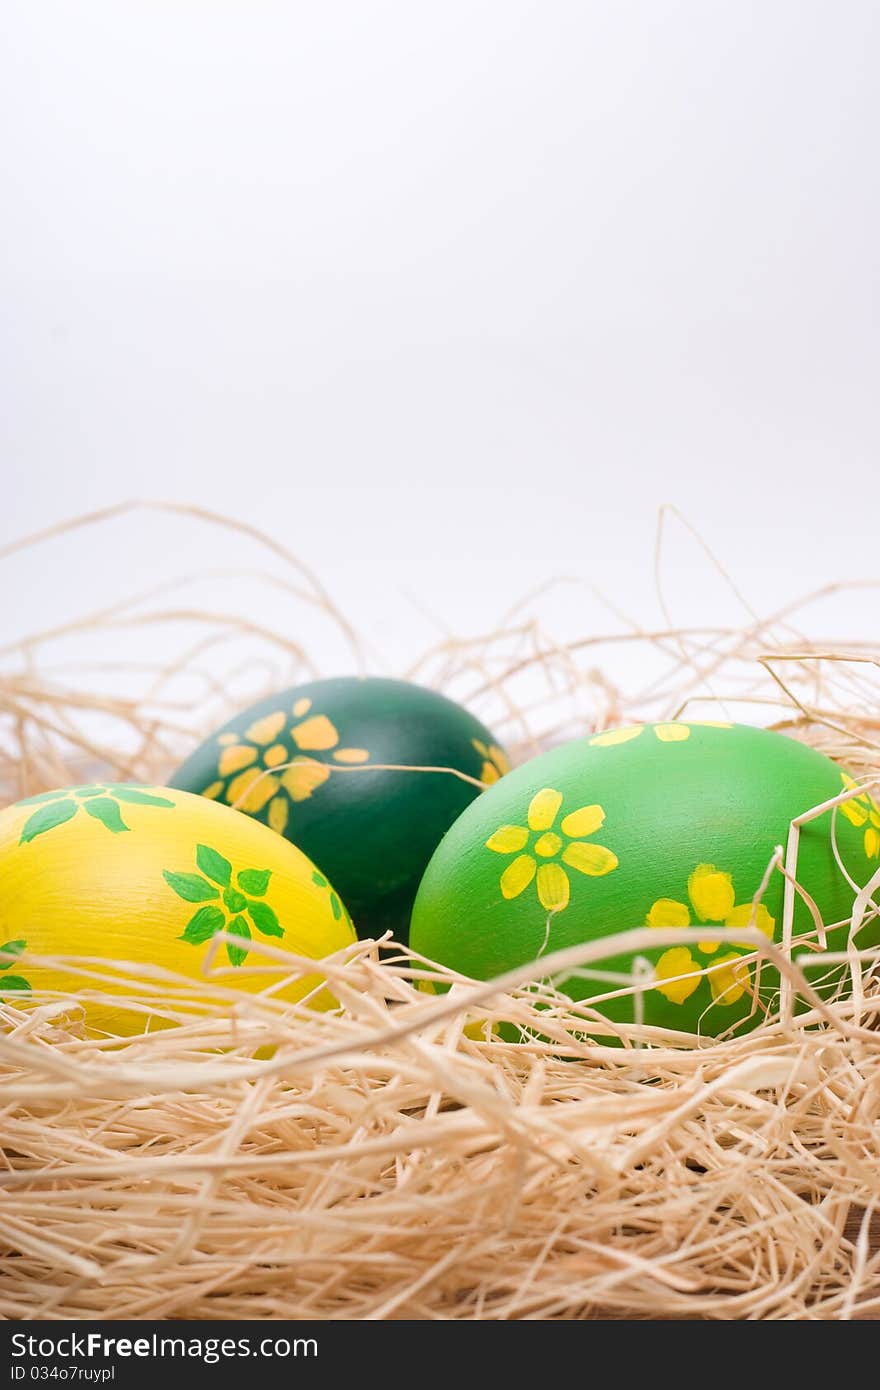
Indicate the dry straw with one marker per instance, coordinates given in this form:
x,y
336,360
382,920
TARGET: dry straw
x,y
399,1159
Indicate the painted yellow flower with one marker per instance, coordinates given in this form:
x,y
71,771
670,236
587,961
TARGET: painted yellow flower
x,y
863,811
673,732
713,901
539,857
495,764
247,776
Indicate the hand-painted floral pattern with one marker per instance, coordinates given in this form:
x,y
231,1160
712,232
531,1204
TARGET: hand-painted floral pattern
x,y
12,983
102,803
713,902
256,768
673,732
337,907
541,851
495,764
226,901
863,811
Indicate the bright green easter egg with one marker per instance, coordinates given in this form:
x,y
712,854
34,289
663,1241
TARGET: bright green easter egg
x,y
663,825
321,764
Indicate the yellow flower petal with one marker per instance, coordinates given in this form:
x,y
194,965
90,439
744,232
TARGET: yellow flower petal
x,y
543,808
854,811
872,842
677,961
730,981
672,733
517,876
303,777
316,734
585,821
666,912
254,788
594,860
234,758
279,811
481,747
875,814
500,760
712,723
264,730
553,887
275,755
711,893
507,839
302,707
610,737
227,738
489,774
351,755
213,791
548,844
742,917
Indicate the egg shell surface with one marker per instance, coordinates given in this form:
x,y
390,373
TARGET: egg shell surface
x,y
308,763
666,825
148,875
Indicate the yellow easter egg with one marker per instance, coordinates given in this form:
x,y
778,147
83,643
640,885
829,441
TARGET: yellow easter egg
x,y
150,875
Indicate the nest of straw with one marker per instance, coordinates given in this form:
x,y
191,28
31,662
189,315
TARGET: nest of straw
x,y
399,1158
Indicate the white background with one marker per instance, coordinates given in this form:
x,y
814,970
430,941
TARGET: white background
x,y
449,296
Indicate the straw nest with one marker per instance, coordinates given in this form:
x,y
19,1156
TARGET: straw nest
x,y
399,1159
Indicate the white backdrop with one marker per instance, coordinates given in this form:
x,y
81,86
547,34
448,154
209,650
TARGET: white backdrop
x,y
450,296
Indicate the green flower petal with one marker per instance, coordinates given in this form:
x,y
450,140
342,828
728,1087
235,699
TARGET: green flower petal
x,y
13,949
254,881
139,798
335,906
38,800
47,818
107,812
13,982
264,919
238,954
319,879
191,887
213,865
202,925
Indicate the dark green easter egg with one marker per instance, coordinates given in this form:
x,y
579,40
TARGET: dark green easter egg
x,y
663,825
307,762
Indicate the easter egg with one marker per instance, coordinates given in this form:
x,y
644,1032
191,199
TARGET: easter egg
x,y
361,774
148,875
658,826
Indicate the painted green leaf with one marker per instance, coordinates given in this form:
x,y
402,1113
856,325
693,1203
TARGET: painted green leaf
x,y
13,949
191,887
264,919
335,906
47,818
319,879
254,881
107,812
139,798
10,982
37,800
238,954
202,925
236,902
213,865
